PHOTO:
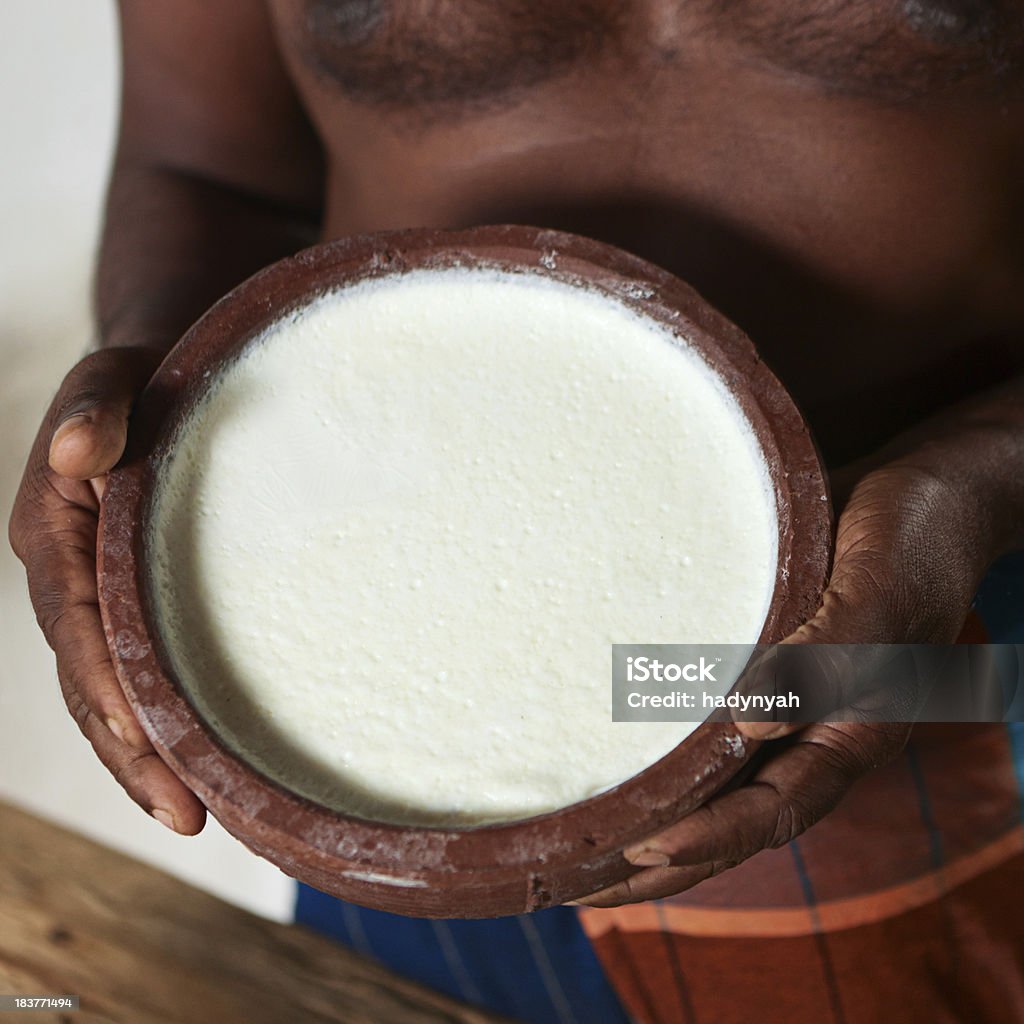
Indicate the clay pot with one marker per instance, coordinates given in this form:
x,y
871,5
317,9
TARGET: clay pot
x,y
468,872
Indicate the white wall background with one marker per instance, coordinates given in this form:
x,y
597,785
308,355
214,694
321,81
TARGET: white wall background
x,y
58,92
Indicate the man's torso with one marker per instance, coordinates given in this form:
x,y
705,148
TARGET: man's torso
x,y
843,180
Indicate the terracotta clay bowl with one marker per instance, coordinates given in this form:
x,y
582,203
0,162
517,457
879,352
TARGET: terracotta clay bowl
x,y
425,871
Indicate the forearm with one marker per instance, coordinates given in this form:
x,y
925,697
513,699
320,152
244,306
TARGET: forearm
x,y
173,243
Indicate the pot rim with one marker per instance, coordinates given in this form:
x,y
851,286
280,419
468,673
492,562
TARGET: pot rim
x,y
375,859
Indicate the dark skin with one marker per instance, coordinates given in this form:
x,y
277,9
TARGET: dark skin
x,y
846,181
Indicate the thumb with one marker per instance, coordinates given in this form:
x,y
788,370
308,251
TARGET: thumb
x,y
89,416
818,660
903,574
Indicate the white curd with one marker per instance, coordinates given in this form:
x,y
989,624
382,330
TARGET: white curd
x,y
396,540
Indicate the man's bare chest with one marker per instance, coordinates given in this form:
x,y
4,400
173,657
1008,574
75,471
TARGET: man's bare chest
x,y
461,56
827,193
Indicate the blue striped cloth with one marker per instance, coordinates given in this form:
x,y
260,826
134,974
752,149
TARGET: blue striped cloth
x,y
539,968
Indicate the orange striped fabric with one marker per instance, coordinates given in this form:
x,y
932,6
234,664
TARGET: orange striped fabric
x,y
905,904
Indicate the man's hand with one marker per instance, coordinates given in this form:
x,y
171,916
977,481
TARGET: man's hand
x,y
53,531
910,550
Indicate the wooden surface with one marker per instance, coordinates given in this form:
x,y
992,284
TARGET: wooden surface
x,y
141,947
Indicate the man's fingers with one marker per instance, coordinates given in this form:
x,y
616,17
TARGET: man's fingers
x,y
887,556
147,780
61,571
833,682
815,662
65,597
64,592
87,677
88,445
769,730
61,567
71,620
89,417
791,791
820,677
652,884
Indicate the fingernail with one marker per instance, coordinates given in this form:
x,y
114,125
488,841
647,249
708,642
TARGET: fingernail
x,y
71,423
64,431
164,817
126,735
763,730
648,858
